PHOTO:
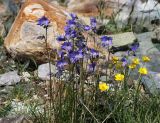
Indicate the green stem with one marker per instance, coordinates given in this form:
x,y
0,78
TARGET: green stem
x,y
50,79
137,92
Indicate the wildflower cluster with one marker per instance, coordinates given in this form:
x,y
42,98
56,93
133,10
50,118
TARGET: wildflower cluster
x,y
74,49
88,80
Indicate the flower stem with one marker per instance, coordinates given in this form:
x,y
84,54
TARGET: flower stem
x,y
50,79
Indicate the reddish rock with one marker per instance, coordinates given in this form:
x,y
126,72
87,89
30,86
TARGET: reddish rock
x,y
22,39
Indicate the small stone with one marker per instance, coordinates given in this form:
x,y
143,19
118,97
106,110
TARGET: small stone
x,y
103,78
44,72
10,78
26,76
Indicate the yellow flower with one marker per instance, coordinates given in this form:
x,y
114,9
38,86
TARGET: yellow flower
x,y
103,86
132,66
119,77
145,59
115,59
143,71
135,61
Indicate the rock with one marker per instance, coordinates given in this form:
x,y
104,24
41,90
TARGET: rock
x,y
137,12
43,71
23,40
156,35
9,78
146,45
152,82
103,78
123,38
26,76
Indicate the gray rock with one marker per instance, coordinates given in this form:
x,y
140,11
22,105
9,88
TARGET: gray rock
x,y
146,45
137,12
152,82
123,38
103,78
43,71
9,78
156,35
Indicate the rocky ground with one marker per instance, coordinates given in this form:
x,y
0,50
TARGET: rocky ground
x,y
22,41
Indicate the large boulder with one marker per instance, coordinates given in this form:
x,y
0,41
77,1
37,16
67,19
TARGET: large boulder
x,y
22,39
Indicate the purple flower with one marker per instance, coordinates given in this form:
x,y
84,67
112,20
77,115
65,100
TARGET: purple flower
x,y
91,67
61,38
106,41
61,63
70,33
134,47
93,22
75,56
73,16
71,23
67,46
86,27
43,22
60,54
80,43
104,38
94,53
67,29
59,73
110,39
124,61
